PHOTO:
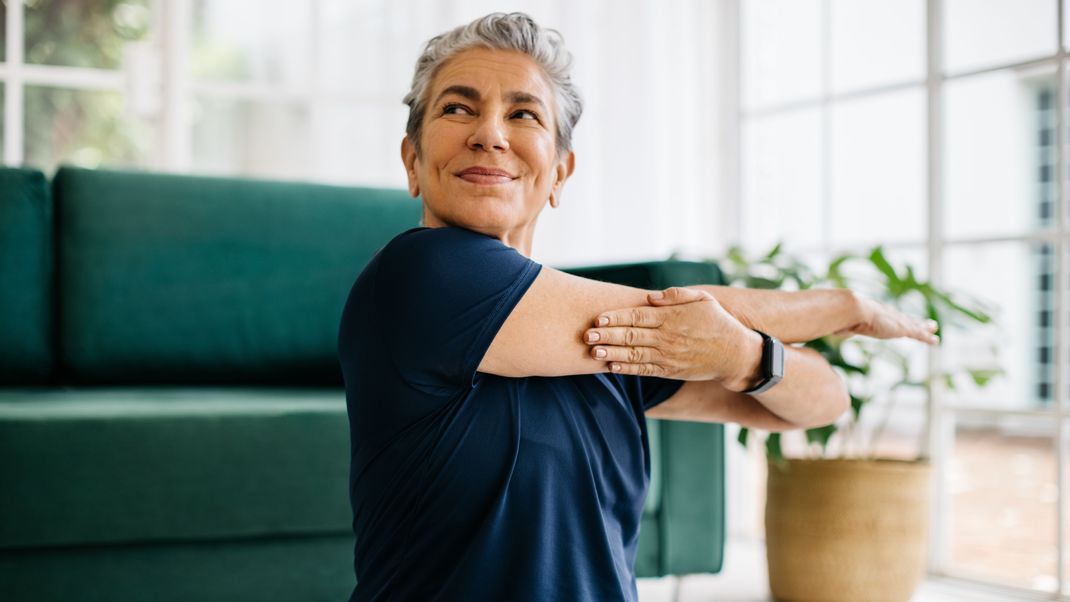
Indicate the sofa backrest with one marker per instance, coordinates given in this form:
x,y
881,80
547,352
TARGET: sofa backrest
x,y
26,266
174,279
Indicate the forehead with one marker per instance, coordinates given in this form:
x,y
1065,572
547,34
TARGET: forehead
x,y
493,71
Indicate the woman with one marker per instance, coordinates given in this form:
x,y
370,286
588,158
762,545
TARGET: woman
x,y
499,448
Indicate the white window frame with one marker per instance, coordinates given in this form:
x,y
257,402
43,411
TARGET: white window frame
x,y
940,414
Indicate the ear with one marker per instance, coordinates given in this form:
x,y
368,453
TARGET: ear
x,y
563,170
408,157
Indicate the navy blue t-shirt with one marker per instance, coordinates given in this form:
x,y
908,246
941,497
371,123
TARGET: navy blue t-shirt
x,y
472,486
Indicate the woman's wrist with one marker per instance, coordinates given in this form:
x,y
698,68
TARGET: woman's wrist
x,y
747,369
856,309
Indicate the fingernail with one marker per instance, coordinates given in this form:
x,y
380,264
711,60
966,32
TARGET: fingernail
x,y
599,353
592,336
657,295
602,321
615,367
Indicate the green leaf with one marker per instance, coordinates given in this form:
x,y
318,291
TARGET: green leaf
x,y
856,405
834,274
949,381
895,285
982,377
932,295
774,251
760,282
772,448
742,438
821,434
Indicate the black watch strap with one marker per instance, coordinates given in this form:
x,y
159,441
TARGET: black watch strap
x,y
772,364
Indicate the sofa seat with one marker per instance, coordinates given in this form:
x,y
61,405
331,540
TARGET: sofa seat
x,y
110,465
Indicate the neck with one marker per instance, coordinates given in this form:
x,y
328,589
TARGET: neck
x,y
519,237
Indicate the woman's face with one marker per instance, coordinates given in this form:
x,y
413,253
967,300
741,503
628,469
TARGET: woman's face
x,y
488,160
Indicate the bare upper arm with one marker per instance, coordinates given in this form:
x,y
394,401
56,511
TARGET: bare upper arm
x,y
708,401
543,336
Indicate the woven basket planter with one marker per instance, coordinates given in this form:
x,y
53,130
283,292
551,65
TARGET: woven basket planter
x,y
846,529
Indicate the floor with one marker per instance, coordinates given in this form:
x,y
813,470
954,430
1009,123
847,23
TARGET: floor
x,y
744,580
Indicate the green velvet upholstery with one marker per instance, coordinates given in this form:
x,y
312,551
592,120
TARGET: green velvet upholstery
x,y
182,463
172,418
26,350
179,279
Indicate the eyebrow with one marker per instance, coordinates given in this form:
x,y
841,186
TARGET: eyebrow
x,y
472,94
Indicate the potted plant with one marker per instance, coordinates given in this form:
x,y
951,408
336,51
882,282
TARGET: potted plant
x,y
843,523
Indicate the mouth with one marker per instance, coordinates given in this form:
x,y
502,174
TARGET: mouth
x,y
485,175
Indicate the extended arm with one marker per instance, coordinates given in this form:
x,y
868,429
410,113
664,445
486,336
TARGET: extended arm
x,y
791,316
800,316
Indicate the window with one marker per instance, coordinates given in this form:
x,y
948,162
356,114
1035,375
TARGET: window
x,y
837,102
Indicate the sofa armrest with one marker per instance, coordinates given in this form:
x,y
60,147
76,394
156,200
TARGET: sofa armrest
x,y
691,517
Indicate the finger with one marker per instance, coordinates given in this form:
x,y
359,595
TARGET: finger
x,y
646,317
677,294
637,369
622,335
632,355
923,331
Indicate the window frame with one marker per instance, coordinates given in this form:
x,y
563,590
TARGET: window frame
x,y
941,415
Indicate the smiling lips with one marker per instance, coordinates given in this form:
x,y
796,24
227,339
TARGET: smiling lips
x,y
485,175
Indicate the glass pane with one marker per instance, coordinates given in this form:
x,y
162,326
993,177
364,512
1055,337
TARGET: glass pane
x,y
86,128
274,47
877,42
782,179
996,32
878,169
1016,279
349,29
1003,496
998,153
83,33
781,51
236,137
357,143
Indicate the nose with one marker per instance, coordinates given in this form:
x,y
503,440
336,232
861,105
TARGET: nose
x,y
489,134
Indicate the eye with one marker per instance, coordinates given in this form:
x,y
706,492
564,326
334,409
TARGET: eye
x,y
455,109
526,114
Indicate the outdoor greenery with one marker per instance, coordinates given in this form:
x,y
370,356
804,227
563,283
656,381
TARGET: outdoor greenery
x,y
859,358
73,126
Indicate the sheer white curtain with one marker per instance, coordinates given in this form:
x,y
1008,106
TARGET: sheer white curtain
x,y
654,168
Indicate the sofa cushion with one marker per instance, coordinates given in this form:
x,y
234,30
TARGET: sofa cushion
x,y
96,466
26,265
92,466
185,279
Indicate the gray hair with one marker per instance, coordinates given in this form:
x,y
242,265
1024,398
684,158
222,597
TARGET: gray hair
x,y
500,31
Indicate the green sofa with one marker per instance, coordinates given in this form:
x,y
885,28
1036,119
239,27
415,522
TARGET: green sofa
x,y
172,417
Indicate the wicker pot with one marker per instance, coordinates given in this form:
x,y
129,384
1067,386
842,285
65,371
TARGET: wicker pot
x,y
846,529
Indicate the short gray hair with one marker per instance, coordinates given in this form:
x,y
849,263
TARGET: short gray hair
x,y
500,31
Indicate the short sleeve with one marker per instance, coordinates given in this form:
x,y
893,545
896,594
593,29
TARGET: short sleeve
x,y
441,295
655,389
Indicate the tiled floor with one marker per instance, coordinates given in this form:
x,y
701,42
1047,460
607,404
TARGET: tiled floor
x,y
744,580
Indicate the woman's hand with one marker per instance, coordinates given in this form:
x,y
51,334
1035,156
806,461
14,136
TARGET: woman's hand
x,y
884,322
689,337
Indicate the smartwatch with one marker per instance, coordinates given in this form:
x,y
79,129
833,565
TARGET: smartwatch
x,y
772,365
